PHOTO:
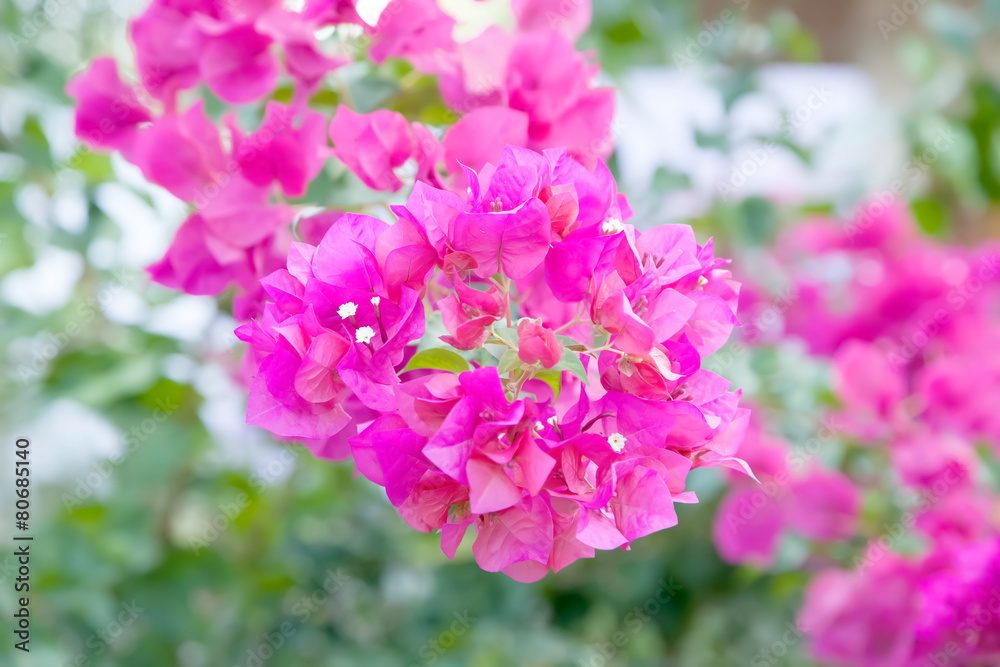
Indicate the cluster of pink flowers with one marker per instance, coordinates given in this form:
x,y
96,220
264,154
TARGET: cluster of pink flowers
x,y
529,87
912,331
792,493
508,353
569,404
941,609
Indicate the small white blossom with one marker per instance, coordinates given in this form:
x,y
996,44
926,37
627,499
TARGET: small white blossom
x,y
539,426
348,309
376,300
364,334
617,441
702,281
612,225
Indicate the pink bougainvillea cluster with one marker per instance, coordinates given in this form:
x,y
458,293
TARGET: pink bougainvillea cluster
x,y
568,405
480,328
504,351
246,173
912,331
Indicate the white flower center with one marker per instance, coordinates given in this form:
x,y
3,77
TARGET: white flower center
x,y
348,309
364,334
612,225
376,300
617,441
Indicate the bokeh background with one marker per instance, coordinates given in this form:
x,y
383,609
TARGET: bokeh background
x,y
169,533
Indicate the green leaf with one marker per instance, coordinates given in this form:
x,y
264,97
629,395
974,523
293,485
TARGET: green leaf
x,y
438,357
930,215
570,361
552,378
623,33
509,361
508,334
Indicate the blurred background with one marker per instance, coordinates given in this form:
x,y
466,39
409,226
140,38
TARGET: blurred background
x,y
169,533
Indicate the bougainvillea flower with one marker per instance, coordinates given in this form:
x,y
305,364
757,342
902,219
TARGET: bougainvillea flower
x,y
540,478
199,262
304,60
570,17
237,64
107,111
569,113
328,12
166,50
372,145
182,153
849,625
869,387
537,344
467,313
509,357
479,138
283,149
539,73
415,30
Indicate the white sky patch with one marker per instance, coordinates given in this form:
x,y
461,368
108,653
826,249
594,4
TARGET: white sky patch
x,y
69,210
125,307
67,439
144,237
11,167
475,16
46,286
32,202
832,110
370,10
185,318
